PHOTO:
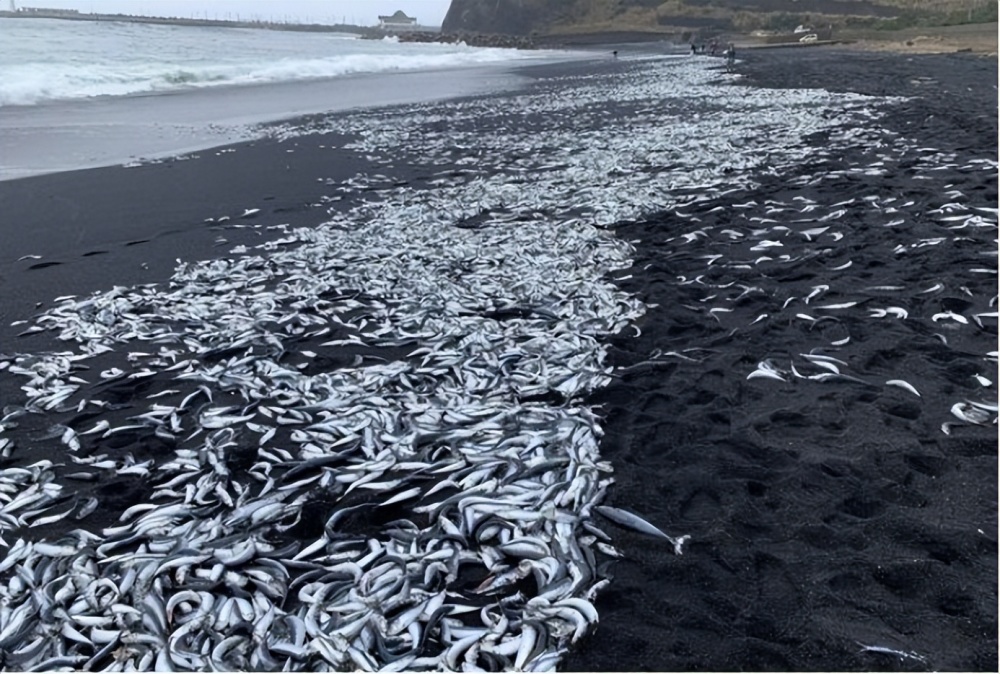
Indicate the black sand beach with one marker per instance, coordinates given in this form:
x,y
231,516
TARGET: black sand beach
x,y
823,518
834,525
110,226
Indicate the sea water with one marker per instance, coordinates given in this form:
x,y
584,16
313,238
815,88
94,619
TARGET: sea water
x,y
52,59
80,94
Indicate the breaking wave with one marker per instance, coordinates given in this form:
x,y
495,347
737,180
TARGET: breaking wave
x,y
29,76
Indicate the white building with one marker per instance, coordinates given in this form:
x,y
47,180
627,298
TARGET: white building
x,y
398,21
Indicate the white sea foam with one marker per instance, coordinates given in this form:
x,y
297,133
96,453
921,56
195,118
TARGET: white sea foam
x,y
43,60
34,83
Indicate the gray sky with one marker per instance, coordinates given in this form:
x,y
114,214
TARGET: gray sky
x,y
363,12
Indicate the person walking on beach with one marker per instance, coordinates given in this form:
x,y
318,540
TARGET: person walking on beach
x,y
730,57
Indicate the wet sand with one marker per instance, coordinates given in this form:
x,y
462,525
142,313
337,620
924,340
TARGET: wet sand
x,y
70,135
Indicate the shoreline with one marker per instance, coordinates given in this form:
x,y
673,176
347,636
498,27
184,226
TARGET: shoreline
x,y
153,126
76,223
815,532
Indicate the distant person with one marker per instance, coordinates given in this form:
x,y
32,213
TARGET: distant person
x,y
694,49
615,53
730,56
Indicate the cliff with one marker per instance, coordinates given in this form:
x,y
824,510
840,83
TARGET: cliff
x,y
525,17
508,17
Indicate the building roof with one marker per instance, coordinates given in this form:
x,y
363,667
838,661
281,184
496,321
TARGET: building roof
x,y
398,17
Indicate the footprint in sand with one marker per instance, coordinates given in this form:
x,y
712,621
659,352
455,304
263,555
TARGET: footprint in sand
x,y
43,265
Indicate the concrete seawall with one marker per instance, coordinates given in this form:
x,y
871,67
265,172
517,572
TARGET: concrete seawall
x,y
175,21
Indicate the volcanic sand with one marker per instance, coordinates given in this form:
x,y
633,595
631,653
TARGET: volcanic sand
x,y
823,518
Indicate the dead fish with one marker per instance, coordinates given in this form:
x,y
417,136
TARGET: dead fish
x,y
633,521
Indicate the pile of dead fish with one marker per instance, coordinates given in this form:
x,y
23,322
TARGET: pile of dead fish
x,y
365,444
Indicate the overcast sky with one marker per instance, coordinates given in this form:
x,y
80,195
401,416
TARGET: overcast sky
x,y
361,12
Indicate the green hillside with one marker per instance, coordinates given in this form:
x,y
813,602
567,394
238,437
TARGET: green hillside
x,y
524,17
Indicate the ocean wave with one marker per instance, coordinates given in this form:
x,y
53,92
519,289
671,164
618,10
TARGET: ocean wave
x,y
34,83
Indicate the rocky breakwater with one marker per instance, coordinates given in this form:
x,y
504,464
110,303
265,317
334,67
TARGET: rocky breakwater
x,y
473,39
